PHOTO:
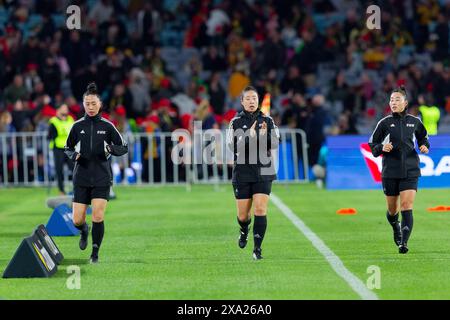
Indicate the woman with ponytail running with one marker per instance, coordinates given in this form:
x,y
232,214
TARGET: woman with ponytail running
x,y
91,142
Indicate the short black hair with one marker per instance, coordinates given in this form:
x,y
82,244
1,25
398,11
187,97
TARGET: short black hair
x,y
401,89
247,89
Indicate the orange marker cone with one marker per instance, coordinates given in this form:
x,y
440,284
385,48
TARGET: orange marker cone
x,y
265,105
346,211
439,209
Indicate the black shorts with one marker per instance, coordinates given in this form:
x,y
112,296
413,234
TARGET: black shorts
x,y
86,194
246,190
393,187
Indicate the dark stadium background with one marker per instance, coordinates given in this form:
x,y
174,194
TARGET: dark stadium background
x,y
155,61
160,66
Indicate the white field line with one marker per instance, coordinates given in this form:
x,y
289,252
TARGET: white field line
x,y
353,281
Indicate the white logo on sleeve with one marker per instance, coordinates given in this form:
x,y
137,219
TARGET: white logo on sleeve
x,y
107,154
82,132
101,132
392,125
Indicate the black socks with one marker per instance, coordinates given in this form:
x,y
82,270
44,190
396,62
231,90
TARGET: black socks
x,y
80,227
392,219
98,229
407,225
259,229
244,225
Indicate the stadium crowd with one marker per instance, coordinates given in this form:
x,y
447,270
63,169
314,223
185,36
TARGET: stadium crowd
x,y
159,65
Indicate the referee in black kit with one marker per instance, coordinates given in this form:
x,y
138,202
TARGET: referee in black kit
x,y
252,136
90,144
394,138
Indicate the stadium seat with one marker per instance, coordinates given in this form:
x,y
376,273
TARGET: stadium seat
x,y
59,20
34,20
171,5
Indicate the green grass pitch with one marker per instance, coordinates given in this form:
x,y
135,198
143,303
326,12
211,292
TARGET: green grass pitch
x,y
169,243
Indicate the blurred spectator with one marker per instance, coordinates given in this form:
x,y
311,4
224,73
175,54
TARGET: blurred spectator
x,y
168,117
112,33
51,76
114,67
6,122
217,21
239,49
316,128
156,66
296,115
204,114
31,53
101,11
47,27
309,56
149,24
427,11
430,116
339,94
23,116
272,55
442,35
119,118
292,81
16,90
212,61
77,52
120,96
441,86
31,77
346,123
217,94
139,90
39,92
58,131
320,168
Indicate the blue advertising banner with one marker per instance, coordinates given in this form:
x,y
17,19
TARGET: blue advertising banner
x,y
351,165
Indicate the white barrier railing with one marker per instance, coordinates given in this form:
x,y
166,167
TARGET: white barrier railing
x,y
26,160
